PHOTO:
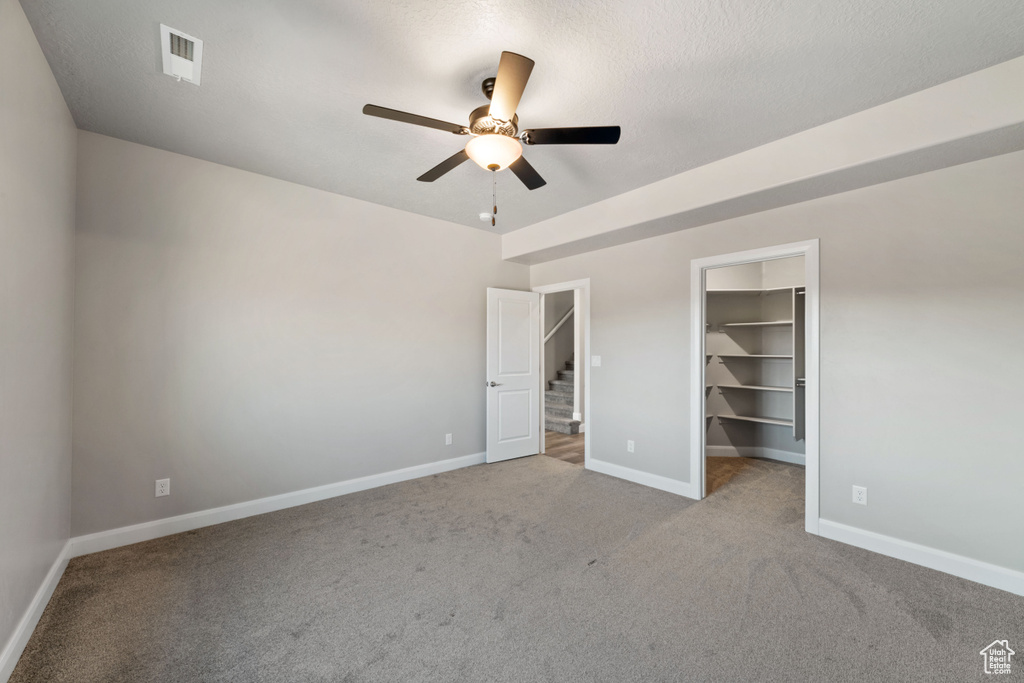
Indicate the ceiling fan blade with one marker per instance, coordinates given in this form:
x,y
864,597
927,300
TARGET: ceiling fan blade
x,y
443,167
513,72
527,173
405,117
593,135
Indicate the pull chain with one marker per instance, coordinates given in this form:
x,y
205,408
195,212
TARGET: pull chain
x,y
494,193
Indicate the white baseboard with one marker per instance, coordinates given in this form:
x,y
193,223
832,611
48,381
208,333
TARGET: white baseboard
x,y
115,538
655,481
722,451
19,639
756,452
583,427
1010,580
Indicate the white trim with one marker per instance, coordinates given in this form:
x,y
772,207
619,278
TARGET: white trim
x,y
724,451
655,481
562,286
809,250
1010,580
698,367
812,351
543,397
115,538
577,350
11,653
757,452
581,302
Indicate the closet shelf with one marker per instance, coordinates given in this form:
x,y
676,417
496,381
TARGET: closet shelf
x,y
753,355
759,420
769,290
768,323
754,387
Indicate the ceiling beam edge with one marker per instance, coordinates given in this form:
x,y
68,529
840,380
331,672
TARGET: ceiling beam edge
x,y
966,119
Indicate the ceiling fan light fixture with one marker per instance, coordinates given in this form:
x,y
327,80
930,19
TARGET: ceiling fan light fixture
x,y
494,150
497,143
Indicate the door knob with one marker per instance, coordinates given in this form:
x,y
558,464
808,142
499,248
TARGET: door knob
x,y
492,384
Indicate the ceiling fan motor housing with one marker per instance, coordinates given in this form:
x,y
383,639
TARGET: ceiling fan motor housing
x,y
481,123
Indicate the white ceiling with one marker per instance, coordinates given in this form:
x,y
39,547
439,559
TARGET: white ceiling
x,y
689,81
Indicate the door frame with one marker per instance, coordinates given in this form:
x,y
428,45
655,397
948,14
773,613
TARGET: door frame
x,y
582,313
698,399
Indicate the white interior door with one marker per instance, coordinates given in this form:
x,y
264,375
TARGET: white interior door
x,y
513,374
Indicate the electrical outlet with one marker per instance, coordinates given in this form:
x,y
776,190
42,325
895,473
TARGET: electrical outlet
x,y
860,495
163,487
630,446
447,439
595,361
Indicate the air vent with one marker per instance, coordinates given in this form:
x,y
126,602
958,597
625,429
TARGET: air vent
x,y
182,54
181,47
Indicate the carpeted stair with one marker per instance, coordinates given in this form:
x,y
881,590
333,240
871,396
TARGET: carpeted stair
x,y
558,402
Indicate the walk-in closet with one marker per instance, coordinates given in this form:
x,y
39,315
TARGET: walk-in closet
x,y
755,360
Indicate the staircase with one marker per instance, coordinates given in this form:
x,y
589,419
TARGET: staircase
x,y
558,403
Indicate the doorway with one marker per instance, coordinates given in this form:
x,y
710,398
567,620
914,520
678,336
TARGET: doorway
x,y
754,344
565,376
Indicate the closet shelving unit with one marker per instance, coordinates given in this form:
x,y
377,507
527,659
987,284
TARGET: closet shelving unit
x,y
766,334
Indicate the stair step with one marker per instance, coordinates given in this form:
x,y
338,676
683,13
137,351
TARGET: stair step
x,y
562,425
566,375
561,385
557,397
558,409
569,365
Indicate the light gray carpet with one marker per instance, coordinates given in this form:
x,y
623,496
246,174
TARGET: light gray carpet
x,y
530,570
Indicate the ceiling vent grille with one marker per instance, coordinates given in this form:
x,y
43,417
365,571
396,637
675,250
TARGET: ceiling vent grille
x,y
182,54
182,47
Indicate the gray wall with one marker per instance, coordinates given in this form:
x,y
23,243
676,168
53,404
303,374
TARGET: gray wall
x,y
37,207
560,347
922,295
247,337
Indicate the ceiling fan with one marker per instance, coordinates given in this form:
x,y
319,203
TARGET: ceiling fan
x,y
495,127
